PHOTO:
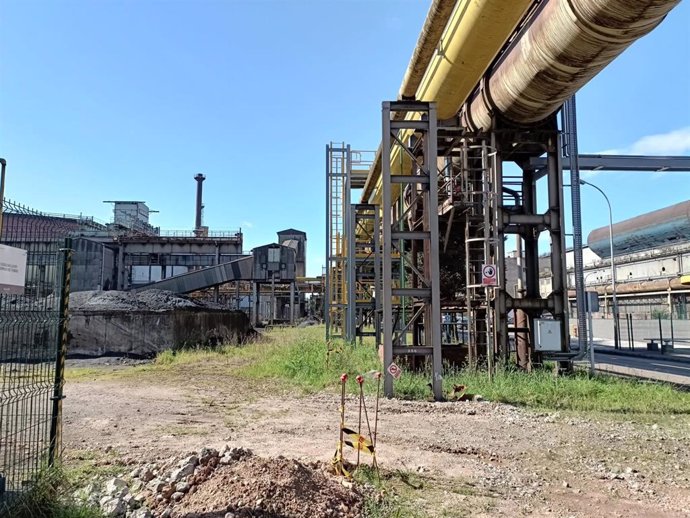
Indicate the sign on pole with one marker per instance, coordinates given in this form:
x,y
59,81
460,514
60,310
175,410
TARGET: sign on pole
x,y
394,370
489,275
12,270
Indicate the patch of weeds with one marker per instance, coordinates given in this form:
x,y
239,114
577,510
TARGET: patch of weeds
x,y
49,498
83,466
388,494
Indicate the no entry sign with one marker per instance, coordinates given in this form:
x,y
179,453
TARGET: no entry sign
x,y
489,275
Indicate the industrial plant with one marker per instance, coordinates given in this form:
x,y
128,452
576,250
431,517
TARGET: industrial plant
x,y
418,231
131,255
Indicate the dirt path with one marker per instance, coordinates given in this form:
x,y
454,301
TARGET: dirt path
x,y
471,459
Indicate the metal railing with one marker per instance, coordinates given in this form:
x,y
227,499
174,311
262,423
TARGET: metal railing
x,y
32,348
209,234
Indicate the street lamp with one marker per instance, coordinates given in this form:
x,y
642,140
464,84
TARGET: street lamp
x,y
616,330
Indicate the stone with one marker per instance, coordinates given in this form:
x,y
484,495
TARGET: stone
x,y
168,491
140,513
116,487
146,474
113,507
177,496
182,488
184,470
136,472
156,485
167,513
566,484
229,515
206,454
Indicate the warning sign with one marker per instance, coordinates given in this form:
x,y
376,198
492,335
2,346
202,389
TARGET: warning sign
x,y
394,370
489,275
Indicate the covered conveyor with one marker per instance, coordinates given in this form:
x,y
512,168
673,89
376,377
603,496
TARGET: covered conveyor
x,y
238,270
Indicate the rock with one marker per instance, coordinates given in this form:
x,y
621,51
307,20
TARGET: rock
x,y
177,496
186,468
156,485
116,487
136,472
113,507
565,484
206,454
168,491
225,460
146,475
229,515
140,513
182,488
167,513
259,502
88,495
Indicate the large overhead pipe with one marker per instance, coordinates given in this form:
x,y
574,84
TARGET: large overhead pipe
x,y
567,44
435,22
457,44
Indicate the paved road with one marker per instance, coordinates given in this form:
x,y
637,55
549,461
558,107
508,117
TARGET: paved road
x,y
660,369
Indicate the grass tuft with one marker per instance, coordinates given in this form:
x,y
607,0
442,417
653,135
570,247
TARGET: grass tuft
x,y
48,498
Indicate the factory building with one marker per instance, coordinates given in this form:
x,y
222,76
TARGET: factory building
x,y
651,255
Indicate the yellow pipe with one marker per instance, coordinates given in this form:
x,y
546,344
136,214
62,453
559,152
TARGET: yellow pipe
x,y
472,38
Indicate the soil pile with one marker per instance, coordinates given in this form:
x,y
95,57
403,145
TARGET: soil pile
x,y
238,484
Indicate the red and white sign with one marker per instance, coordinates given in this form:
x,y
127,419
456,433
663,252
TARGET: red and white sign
x,y
489,275
394,370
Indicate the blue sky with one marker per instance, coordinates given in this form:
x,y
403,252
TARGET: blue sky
x,y
105,100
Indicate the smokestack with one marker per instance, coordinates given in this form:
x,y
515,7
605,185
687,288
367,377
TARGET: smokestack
x,y
199,197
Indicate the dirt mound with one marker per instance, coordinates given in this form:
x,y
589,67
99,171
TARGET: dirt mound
x,y
239,484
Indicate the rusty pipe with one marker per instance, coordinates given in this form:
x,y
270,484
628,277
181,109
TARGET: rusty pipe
x,y
567,44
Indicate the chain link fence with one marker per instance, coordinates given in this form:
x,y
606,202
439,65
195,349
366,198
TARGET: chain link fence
x,y
32,346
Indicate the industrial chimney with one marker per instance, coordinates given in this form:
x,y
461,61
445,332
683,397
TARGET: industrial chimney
x,y
199,203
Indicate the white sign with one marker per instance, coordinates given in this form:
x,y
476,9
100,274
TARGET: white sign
x,y
394,370
12,270
489,275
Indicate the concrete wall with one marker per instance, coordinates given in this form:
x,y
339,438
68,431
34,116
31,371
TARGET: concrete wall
x,y
603,328
144,334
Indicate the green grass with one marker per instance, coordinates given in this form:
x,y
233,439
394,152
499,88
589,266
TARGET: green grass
x,y
49,499
300,357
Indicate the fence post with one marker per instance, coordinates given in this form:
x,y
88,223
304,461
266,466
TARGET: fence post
x,y
661,336
56,417
632,333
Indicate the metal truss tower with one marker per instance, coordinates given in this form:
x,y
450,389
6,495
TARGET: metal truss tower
x,y
409,130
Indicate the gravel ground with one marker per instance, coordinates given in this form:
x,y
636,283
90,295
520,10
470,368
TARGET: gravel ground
x,y
468,458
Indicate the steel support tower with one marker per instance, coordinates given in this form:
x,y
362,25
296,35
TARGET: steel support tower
x,y
337,223
413,234
364,272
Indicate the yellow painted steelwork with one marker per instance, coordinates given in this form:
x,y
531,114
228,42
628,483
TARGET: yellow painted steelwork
x,y
472,38
685,280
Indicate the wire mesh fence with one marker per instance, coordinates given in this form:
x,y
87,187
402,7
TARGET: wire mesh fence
x,y
32,345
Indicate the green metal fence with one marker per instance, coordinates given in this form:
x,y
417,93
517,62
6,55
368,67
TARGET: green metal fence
x,y
32,348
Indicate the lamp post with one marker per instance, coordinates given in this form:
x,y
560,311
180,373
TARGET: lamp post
x,y
614,300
